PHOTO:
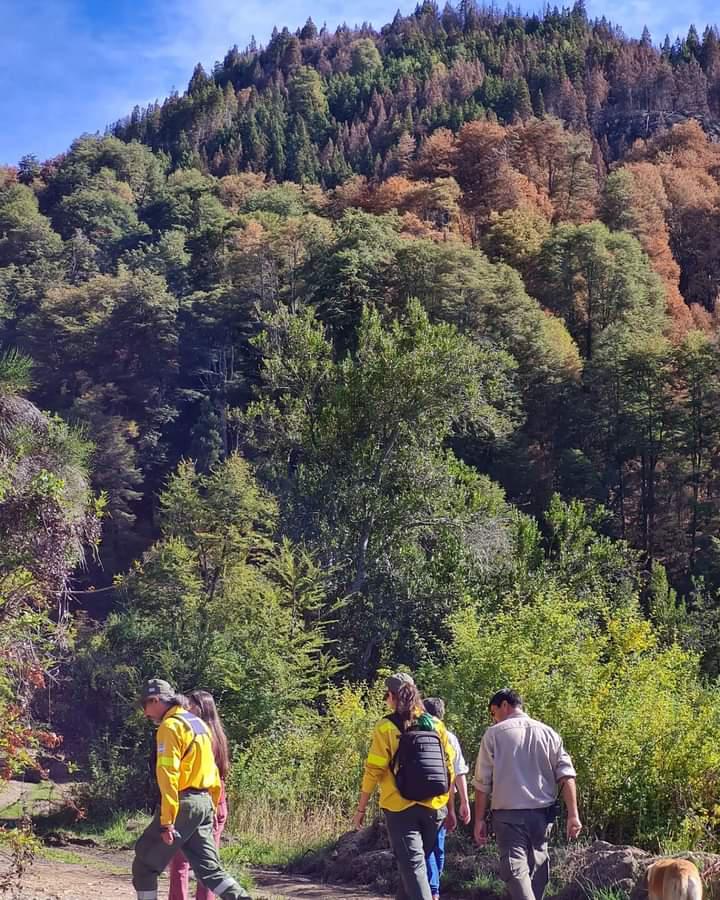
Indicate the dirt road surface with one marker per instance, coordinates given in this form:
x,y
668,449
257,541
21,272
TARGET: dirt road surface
x,y
105,876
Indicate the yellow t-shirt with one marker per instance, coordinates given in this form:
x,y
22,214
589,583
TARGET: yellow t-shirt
x,y
185,760
384,745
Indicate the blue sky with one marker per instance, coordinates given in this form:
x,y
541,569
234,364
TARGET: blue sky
x,y
73,66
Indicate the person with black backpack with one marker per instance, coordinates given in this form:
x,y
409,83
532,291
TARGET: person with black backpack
x,y
411,761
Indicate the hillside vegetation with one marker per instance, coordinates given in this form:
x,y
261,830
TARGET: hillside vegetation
x,y
375,349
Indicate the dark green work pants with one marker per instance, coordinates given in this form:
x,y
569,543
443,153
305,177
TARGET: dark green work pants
x,y
194,824
413,833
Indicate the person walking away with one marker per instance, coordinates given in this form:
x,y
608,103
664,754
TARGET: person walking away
x,y
521,764
202,704
410,760
189,784
436,858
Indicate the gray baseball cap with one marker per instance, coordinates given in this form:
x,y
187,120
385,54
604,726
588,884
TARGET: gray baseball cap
x,y
394,682
156,687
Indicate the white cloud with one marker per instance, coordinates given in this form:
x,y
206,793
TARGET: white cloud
x,y
72,70
67,68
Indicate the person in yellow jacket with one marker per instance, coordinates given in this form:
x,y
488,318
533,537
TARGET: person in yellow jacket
x,y
189,784
412,824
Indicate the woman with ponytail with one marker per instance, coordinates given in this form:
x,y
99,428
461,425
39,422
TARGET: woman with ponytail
x,y
202,704
410,760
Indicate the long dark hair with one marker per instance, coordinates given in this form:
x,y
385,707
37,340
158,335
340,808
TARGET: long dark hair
x,y
408,704
209,714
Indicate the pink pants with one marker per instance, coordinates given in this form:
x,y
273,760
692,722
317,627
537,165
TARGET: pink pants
x,y
179,870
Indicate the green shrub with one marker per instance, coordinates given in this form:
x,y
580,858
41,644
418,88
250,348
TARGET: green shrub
x,y
315,760
642,727
116,780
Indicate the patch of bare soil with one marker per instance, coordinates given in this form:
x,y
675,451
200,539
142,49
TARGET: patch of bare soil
x,y
99,875
270,883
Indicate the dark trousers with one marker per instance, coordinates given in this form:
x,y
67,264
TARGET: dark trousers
x,y
522,841
194,823
413,834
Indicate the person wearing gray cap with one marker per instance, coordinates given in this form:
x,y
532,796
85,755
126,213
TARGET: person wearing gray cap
x,y
189,784
411,761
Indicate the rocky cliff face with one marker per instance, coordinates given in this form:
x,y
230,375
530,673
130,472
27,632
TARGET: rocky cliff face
x,y
621,130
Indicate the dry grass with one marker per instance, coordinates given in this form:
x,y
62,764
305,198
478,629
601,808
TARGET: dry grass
x,y
269,835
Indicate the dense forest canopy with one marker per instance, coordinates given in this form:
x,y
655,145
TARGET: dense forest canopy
x,y
366,341
316,105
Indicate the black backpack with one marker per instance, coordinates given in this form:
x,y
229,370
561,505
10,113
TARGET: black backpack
x,y
419,764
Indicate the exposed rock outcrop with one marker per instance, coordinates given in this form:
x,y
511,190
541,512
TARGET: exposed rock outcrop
x,y
364,857
622,129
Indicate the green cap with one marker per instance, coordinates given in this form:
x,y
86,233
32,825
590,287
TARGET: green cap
x,y
156,687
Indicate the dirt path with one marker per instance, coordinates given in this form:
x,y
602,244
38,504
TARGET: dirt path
x,y
85,873
96,875
270,883
102,876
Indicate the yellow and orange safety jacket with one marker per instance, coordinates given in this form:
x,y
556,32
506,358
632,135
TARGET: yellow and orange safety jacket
x,y
185,760
384,745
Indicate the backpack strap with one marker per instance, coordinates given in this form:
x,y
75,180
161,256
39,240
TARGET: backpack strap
x,y
397,722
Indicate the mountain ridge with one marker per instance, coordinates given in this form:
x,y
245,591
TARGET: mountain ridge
x,y
318,107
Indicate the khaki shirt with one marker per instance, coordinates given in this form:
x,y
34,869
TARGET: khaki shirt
x,y
520,763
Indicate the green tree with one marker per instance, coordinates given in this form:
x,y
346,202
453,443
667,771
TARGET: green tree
x,y
303,164
635,415
26,235
31,257
105,212
594,278
357,448
307,96
515,237
353,270
616,207
489,302
48,520
697,378
365,57
188,201
106,351
132,164
215,601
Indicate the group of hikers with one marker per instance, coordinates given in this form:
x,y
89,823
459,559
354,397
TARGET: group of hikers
x,y
419,768
416,763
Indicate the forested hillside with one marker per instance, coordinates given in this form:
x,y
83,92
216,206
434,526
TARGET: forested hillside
x,y
319,105
377,349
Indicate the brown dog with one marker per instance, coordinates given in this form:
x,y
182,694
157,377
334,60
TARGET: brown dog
x,y
674,879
